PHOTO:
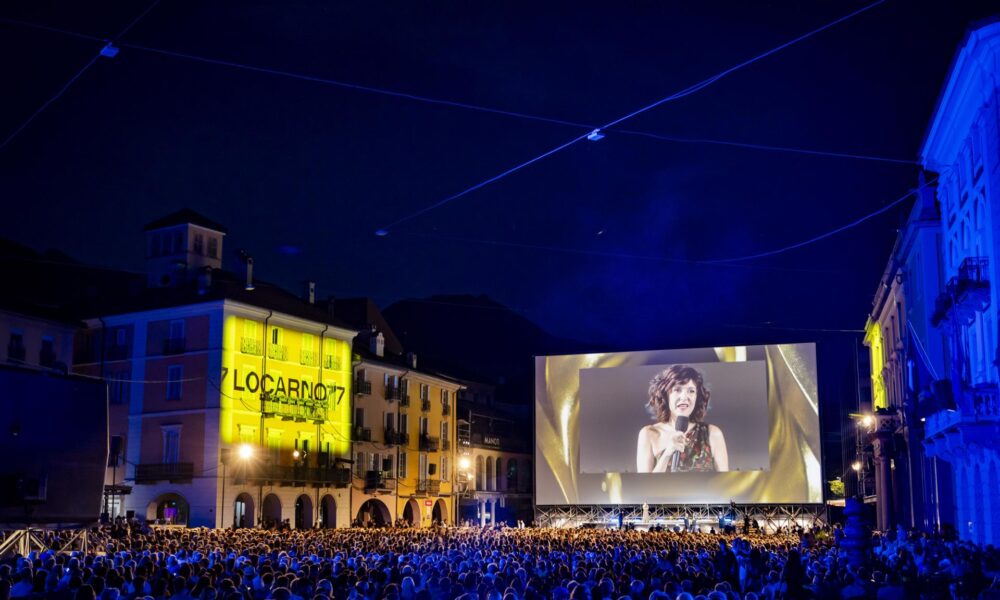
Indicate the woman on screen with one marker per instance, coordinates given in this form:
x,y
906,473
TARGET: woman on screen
x,y
679,391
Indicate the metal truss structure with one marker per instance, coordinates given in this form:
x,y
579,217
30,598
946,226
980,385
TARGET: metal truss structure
x,y
701,516
24,541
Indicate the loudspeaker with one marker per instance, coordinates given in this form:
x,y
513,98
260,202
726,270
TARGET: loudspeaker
x,y
432,469
54,440
115,453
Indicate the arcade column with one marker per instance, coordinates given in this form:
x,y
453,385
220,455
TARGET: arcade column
x,y
882,445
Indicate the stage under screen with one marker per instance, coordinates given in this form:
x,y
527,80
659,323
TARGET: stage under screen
x,y
693,426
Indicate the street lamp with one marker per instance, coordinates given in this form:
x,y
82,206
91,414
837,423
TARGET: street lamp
x,y
868,421
244,452
464,463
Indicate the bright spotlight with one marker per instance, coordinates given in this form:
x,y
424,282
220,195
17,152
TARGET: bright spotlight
x,y
856,465
464,463
867,420
245,451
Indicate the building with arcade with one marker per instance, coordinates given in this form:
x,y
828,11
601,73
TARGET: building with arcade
x,y
403,428
230,398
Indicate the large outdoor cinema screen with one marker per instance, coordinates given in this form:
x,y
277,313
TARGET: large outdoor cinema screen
x,y
693,426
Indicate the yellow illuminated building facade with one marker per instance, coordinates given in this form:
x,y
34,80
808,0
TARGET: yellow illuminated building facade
x,y
285,402
404,445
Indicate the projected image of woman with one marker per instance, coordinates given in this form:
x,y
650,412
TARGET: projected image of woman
x,y
679,391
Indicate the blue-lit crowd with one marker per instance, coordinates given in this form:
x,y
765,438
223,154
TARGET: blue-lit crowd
x,y
132,561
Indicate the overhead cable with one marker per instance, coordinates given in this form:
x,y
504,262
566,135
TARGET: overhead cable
x,y
827,234
452,103
675,96
78,74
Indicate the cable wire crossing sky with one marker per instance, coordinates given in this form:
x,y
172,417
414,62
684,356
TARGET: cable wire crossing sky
x,y
596,133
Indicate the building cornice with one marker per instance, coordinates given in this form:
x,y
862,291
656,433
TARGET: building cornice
x,y
967,89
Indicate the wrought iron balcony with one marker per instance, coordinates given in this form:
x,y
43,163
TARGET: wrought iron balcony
x,y
445,445
331,362
363,387
250,346
428,443
396,438
404,400
307,358
430,487
966,293
425,405
295,409
392,392
179,472
446,409
277,352
378,480
296,475
174,346
361,434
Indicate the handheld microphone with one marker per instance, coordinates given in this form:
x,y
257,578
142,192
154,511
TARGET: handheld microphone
x,y
680,425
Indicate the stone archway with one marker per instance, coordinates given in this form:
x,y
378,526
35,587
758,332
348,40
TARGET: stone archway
x,y
270,511
303,512
411,513
243,511
373,513
328,512
169,509
439,515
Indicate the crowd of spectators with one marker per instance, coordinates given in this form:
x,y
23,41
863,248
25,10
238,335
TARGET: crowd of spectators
x,y
130,561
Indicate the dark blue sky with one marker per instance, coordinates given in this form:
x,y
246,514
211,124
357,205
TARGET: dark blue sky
x,y
303,173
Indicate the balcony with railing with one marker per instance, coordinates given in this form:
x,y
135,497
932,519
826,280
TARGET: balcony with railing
x,y
429,487
379,481
174,346
965,294
404,400
425,405
428,443
361,434
277,352
392,392
179,472
396,438
363,387
291,408
250,346
295,475
308,358
446,409
331,362
445,444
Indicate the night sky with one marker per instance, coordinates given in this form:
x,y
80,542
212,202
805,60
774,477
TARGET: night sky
x,y
590,243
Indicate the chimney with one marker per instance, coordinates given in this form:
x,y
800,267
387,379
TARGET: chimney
x,y
377,344
411,360
204,280
248,262
309,292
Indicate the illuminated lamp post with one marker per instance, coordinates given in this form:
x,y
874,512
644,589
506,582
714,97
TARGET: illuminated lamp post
x,y
244,452
464,464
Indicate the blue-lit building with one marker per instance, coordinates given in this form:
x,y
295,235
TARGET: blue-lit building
x,y
961,420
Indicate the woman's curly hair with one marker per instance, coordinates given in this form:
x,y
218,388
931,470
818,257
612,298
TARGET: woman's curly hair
x,y
666,380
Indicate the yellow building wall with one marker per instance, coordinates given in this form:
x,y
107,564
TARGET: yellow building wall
x,y
875,343
302,373
409,485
